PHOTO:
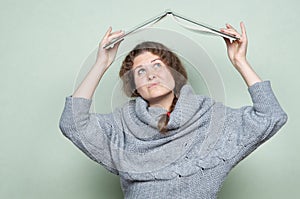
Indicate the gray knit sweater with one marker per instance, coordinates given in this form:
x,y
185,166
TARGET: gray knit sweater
x,y
205,141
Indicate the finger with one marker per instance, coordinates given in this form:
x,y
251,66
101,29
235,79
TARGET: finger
x,y
107,32
230,27
104,38
115,35
116,45
115,38
243,29
114,42
109,36
231,32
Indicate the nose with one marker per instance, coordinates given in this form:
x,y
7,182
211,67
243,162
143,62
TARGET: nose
x,y
151,76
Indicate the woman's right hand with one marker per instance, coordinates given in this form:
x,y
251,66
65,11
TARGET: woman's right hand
x,y
105,57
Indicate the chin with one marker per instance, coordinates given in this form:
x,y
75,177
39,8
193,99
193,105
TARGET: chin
x,y
158,94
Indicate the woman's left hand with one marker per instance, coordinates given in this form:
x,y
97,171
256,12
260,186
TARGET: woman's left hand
x,y
237,49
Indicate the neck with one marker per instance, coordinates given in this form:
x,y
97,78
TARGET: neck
x,y
164,102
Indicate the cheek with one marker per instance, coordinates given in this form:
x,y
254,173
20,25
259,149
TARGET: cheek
x,y
139,84
141,88
168,80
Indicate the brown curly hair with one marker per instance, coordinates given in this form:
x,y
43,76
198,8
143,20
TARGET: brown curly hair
x,y
168,57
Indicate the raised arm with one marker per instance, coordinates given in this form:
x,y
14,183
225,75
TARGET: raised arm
x,y
104,59
91,132
237,51
249,126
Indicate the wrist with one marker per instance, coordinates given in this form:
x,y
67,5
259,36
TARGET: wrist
x,y
248,74
241,64
241,60
100,65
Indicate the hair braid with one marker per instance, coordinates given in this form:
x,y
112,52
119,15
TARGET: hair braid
x,y
164,119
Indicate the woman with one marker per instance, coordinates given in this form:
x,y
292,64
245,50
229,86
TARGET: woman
x,y
168,142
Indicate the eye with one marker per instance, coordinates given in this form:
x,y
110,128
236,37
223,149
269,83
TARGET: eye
x,y
141,72
157,65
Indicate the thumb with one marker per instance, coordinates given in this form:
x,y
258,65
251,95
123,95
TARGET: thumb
x,y
227,42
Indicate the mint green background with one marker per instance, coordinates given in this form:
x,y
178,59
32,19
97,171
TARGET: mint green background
x,y
42,46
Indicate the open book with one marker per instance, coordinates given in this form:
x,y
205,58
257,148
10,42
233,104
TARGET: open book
x,y
182,21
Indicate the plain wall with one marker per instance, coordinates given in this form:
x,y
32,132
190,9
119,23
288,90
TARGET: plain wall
x,y
43,45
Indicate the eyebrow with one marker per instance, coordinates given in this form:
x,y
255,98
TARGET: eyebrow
x,y
155,60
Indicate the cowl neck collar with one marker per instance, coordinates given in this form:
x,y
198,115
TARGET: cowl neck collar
x,y
146,149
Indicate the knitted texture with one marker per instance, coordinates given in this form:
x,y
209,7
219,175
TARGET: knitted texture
x,y
205,141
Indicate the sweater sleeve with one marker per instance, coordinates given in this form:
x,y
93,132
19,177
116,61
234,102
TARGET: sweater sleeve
x,y
90,132
248,127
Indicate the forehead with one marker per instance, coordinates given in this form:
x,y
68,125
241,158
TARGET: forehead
x,y
144,58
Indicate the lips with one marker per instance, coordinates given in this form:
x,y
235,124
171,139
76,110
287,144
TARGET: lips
x,y
153,85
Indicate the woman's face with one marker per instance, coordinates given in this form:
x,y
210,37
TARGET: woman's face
x,y
152,77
